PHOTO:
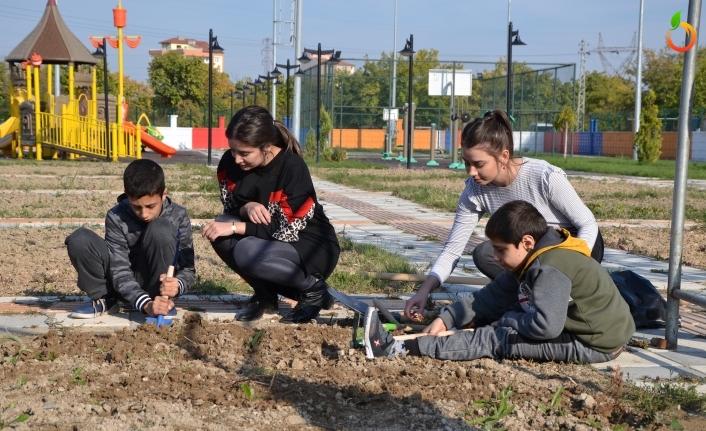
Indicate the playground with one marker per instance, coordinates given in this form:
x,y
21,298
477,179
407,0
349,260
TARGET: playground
x,y
49,125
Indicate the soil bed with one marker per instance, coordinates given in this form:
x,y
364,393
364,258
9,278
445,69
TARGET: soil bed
x,y
215,375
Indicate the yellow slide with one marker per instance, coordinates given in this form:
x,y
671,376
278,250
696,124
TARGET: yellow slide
x,y
7,128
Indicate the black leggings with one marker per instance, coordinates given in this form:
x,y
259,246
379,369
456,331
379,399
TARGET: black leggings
x,y
270,267
483,256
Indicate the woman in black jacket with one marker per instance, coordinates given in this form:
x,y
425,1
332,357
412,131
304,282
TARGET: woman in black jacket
x,y
273,232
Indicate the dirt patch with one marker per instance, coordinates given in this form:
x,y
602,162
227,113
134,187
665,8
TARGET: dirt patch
x,y
655,243
213,375
34,261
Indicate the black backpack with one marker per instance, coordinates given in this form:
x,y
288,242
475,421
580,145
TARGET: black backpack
x,y
648,308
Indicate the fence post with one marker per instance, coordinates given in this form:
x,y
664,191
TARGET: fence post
x,y
432,147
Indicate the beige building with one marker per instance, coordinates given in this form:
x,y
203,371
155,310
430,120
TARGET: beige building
x,y
191,48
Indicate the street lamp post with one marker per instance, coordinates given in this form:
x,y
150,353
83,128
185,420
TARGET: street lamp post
x,y
510,43
212,46
102,52
269,78
334,59
287,67
258,82
408,51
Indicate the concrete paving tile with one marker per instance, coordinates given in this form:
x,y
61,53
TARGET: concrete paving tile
x,y
649,374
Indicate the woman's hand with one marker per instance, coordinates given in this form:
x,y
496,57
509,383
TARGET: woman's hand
x,y
436,326
216,229
256,213
414,307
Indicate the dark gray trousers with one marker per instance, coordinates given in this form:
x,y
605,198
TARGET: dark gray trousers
x,y
483,256
88,253
503,342
270,267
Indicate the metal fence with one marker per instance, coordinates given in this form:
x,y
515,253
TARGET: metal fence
x,y
622,121
357,100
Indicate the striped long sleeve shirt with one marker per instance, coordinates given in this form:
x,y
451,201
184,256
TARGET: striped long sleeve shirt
x,y
543,185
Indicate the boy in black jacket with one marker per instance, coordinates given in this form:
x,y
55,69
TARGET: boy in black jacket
x,y
140,243
553,302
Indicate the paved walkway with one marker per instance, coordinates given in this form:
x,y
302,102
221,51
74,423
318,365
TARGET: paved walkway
x,y
416,233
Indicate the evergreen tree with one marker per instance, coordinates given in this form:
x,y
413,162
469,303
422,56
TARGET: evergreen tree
x,y
565,120
648,139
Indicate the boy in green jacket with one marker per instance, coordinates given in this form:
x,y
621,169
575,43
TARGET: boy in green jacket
x,y
553,302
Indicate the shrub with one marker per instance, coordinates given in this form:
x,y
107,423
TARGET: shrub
x,y
648,139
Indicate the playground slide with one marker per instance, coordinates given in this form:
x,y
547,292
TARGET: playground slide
x,y
6,129
150,142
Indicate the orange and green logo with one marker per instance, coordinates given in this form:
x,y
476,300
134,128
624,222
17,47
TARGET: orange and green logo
x,y
690,33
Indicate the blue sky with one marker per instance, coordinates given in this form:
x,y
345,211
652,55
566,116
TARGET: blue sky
x,y
470,30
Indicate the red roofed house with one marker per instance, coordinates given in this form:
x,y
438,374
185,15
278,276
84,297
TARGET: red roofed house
x,y
190,48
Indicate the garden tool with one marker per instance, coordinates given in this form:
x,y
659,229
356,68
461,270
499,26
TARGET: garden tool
x,y
160,319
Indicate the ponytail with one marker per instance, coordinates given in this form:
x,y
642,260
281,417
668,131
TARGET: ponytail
x,y
492,133
287,141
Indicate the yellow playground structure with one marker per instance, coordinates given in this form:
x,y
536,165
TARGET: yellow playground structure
x,y
79,123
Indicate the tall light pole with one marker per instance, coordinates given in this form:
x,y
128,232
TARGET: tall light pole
x,y
408,51
102,52
258,83
335,58
269,79
638,81
510,43
392,124
212,46
287,67
297,93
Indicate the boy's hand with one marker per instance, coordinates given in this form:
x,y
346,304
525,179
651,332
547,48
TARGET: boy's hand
x,y
257,213
436,326
160,305
169,286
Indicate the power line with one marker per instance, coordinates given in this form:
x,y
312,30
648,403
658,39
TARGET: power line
x,y
607,66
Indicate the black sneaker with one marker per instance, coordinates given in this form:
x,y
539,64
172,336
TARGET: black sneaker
x,y
379,342
96,308
257,308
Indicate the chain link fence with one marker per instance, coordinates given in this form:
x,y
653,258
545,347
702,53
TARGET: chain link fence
x,y
356,101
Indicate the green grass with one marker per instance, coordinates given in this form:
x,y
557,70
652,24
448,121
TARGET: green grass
x,y
346,164
365,257
663,169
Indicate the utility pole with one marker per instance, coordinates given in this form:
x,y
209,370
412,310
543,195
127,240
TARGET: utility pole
x,y
296,108
581,103
638,81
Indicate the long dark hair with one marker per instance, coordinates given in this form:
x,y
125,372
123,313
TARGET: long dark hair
x,y
492,133
255,127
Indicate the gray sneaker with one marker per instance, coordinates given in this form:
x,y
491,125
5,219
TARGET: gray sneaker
x,y
379,342
96,308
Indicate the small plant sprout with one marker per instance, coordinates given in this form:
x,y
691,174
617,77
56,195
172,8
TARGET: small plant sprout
x,y
247,390
20,382
255,339
497,409
49,357
21,418
75,376
23,349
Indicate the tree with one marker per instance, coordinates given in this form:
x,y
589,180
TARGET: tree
x,y
564,120
648,139
176,79
326,127
4,91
